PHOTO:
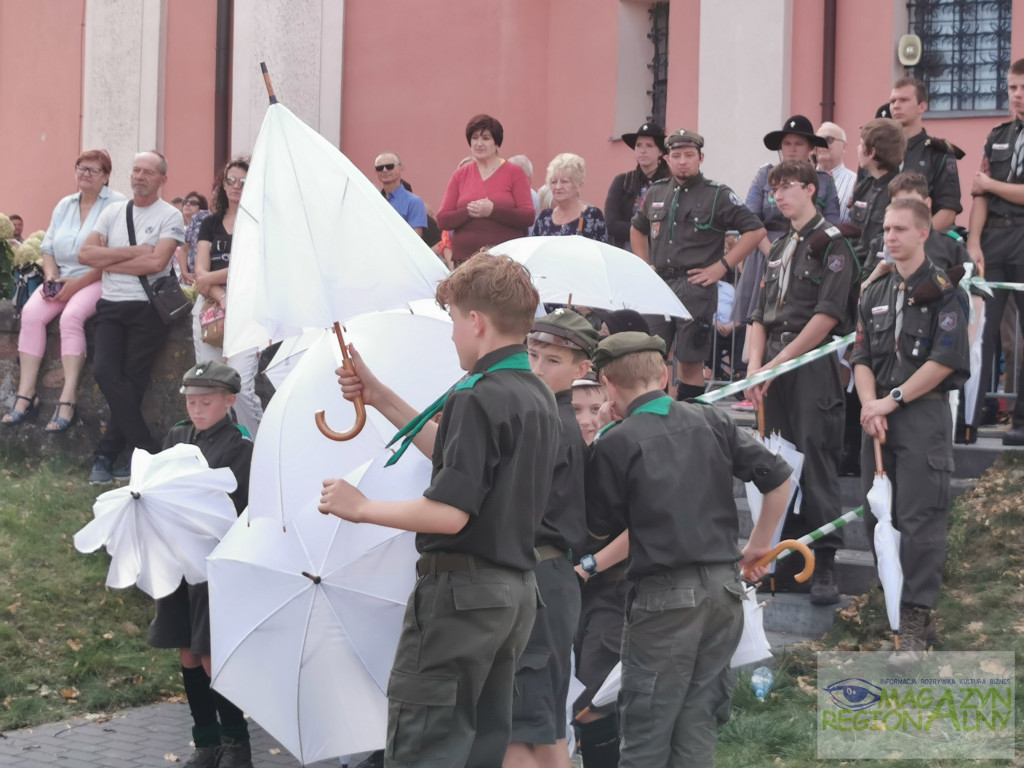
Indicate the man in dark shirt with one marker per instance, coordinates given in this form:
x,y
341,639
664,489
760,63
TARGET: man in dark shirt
x,y
666,471
494,454
880,152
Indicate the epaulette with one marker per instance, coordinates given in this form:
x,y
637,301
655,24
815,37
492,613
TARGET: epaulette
x,y
819,240
712,182
944,146
245,432
931,290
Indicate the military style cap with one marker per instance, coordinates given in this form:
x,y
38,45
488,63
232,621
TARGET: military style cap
x,y
208,375
682,137
797,125
652,130
620,344
566,328
589,380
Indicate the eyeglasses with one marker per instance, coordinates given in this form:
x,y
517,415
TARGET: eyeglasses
x,y
830,140
191,202
786,187
384,167
85,170
232,181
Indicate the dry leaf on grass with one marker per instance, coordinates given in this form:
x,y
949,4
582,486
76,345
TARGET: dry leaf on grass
x,y
74,644
804,685
974,626
69,693
108,635
13,607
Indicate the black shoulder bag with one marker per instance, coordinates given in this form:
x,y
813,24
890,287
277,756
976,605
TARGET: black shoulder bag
x,y
165,294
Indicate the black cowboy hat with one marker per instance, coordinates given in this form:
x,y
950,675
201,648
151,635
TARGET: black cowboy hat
x,y
653,130
797,125
883,111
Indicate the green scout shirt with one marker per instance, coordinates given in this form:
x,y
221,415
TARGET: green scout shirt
x,y
867,211
934,330
668,474
564,521
225,444
933,159
493,458
820,281
704,211
999,153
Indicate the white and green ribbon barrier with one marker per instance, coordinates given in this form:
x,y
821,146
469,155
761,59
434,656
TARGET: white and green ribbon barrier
x,y
826,529
778,370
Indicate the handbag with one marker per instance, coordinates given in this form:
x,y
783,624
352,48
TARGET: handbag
x,y
165,294
27,278
211,323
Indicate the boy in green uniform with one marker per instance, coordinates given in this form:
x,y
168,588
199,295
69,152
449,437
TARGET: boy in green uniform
x,y
559,347
494,453
684,616
183,617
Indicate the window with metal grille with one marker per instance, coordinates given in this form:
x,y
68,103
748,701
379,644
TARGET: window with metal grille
x,y
965,48
659,62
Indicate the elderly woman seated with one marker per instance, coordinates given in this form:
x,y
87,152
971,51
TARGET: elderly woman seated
x,y
569,215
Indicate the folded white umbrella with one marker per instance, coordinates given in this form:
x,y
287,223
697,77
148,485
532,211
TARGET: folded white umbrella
x,y
754,644
780,446
887,543
160,527
593,273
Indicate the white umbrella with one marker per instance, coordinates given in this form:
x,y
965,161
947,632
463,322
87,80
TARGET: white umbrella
x,y
594,274
754,644
305,621
161,526
887,543
976,330
413,354
288,355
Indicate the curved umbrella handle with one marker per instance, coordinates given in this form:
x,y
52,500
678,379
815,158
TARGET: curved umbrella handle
x,y
321,421
781,547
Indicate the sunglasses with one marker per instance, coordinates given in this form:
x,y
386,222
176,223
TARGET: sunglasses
x,y
191,202
384,167
232,181
830,140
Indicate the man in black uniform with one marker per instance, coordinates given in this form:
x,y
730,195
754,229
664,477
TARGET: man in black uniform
x,y
932,157
183,617
684,616
911,349
880,152
808,294
494,453
997,230
559,347
680,230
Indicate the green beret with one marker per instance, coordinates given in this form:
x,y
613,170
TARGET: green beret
x,y
683,137
566,328
626,343
208,375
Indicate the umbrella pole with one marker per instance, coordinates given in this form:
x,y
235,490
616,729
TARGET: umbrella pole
x,y
879,470
321,421
266,81
760,417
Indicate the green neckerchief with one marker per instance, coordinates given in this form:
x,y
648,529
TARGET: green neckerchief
x,y
659,406
516,362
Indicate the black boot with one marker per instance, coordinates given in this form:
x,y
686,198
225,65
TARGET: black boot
x,y
914,621
688,392
207,741
599,742
823,584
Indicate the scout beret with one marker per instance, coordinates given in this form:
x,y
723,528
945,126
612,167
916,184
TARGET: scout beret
x,y
651,130
566,328
620,344
208,375
683,137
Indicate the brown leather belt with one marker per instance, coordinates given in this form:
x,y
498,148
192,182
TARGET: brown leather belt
x,y
548,552
433,562
999,222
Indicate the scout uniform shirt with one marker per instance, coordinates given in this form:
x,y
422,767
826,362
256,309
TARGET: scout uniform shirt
x,y
564,522
676,518
225,444
687,222
934,159
999,152
801,281
867,211
943,249
508,415
935,330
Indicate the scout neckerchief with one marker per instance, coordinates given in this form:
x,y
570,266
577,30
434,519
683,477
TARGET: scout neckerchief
x,y
659,406
516,362
1017,161
787,259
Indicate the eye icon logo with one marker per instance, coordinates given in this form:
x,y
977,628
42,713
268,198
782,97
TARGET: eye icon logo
x,y
854,693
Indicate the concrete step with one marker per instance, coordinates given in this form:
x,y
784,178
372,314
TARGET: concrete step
x,y
794,615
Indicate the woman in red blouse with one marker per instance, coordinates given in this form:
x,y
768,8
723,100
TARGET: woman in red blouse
x,y
487,201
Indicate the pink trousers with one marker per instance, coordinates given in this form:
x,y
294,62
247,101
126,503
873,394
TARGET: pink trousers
x,y
37,314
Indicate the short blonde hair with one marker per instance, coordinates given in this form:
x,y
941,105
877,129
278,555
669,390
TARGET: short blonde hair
x,y
570,165
637,369
497,286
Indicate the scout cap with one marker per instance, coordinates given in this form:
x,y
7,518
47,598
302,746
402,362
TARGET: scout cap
x,y
682,138
588,380
651,130
797,125
626,343
208,375
566,328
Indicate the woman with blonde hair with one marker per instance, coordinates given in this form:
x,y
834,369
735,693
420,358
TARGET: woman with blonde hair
x,y
569,214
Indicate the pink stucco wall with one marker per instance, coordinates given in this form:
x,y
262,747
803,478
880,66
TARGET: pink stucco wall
x,y
41,103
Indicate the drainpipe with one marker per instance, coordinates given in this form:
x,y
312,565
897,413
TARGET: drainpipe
x,y
828,64
222,87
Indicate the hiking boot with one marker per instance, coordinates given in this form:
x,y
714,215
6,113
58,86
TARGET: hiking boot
x,y
914,623
234,753
375,760
122,474
823,584
101,474
203,757
1014,436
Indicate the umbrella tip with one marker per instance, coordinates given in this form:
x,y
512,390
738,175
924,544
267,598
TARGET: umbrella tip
x,y
263,67
135,494
311,577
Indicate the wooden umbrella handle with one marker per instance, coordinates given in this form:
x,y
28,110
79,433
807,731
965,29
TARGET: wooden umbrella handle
x,y
781,547
760,417
879,469
321,421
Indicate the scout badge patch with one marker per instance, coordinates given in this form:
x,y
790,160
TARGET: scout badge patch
x,y
947,321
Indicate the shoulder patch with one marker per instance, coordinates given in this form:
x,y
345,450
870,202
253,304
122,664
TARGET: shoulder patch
x,y
836,262
734,199
947,321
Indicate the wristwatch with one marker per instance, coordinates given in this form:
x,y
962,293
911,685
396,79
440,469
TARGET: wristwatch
x,y
897,394
589,564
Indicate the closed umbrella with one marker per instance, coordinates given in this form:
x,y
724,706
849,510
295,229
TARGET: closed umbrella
x,y
887,543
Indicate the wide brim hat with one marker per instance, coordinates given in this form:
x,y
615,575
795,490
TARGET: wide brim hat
x,y
797,125
884,111
653,130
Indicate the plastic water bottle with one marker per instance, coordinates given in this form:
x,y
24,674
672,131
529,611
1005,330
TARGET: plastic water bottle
x,y
762,681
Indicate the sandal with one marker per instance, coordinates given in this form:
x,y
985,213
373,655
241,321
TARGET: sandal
x,y
61,423
16,416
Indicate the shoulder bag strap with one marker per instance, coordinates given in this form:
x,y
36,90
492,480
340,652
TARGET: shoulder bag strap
x,y
129,217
